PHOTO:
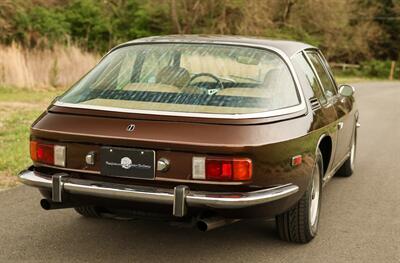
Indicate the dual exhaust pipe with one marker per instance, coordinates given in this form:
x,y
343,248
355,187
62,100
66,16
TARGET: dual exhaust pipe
x,y
203,224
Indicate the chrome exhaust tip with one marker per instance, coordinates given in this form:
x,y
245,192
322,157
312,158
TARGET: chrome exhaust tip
x,y
207,224
50,205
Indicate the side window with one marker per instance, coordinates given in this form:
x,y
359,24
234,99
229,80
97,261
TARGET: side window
x,y
327,67
327,84
305,71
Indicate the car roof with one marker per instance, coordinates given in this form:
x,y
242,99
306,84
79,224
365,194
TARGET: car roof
x,y
288,47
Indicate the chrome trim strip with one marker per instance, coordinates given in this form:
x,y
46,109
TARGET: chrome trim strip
x,y
273,113
289,110
228,200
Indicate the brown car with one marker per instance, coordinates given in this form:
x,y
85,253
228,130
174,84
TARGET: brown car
x,y
203,129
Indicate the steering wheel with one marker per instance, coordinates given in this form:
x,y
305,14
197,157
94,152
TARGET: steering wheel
x,y
210,91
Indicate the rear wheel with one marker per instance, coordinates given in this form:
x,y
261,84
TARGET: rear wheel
x,y
88,211
300,223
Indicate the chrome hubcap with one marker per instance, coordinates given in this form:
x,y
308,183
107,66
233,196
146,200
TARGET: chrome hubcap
x,y
314,199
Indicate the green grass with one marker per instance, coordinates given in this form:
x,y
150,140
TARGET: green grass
x,y
14,140
18,109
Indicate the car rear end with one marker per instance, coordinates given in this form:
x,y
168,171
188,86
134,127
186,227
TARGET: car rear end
x,y
148,131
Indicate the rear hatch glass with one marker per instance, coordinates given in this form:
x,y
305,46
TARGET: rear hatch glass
x,y
190,78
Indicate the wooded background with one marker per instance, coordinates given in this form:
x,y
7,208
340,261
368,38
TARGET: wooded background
x,y
363,32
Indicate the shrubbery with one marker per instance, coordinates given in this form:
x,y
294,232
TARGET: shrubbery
x,y
347,31
92,24
373,69
376,68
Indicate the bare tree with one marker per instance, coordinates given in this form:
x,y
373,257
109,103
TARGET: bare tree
x,y
175,18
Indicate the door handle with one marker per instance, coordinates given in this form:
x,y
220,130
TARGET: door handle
x,y
340,125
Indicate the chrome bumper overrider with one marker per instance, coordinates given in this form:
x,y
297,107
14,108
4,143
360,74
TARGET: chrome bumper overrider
x,y
180,197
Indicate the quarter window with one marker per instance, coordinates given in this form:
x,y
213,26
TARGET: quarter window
x,y
327,84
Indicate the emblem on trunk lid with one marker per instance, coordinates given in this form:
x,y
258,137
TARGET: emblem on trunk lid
x,y
131,127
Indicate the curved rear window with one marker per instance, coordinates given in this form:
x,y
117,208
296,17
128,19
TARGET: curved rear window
x,y
192,78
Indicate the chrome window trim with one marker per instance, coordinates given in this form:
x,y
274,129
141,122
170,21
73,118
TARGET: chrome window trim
x,y
284,111
265,114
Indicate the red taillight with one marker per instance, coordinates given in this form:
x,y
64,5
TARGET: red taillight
x,y
47,153
218,170
227,169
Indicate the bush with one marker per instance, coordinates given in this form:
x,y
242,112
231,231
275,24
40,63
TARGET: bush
x,y
40,26
376,68
89,25
379,69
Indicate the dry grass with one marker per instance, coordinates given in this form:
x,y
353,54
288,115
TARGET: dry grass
x,y
61,66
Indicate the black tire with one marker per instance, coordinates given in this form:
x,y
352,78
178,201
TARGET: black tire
x,y
88,211
347,168
295,224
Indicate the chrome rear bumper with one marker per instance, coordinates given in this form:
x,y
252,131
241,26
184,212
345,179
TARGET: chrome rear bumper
x,y
180,197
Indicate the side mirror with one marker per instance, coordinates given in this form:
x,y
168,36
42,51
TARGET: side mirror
x,y
346,90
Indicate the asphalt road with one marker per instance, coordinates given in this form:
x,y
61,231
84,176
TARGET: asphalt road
x,y
360,217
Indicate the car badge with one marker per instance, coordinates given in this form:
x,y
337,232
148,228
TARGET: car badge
x,y
131,127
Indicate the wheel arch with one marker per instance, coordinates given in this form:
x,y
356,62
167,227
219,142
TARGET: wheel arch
x,y
325,146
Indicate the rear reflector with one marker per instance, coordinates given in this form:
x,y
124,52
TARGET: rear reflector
x,y
222,169
47,153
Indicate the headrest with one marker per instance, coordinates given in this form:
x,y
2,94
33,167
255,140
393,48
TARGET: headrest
x,y
173,75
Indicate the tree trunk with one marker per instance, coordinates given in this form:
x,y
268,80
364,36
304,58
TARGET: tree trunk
x,y
192,21
287,9
175,18
392,67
